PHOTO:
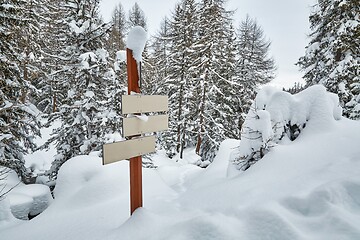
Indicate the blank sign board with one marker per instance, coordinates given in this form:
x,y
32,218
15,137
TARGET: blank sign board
x,y
135,126
143,103
118,151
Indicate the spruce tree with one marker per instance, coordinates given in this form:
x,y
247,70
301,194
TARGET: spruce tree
x,y
18,123
87,113
332,56
180,77
137,17
118,30
254,66
54,84
213,90
116,47
161,46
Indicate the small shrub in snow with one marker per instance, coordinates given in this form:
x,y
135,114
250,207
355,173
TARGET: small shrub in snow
x,y
276,115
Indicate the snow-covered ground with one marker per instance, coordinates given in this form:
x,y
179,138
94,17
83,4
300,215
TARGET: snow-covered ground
x,y
308,188
305,189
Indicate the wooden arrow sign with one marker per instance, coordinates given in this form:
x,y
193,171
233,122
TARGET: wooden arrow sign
x,y
118,151
135,126
143,103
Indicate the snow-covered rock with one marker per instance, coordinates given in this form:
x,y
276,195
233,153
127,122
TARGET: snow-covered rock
x,y
40,195
20,205
25,200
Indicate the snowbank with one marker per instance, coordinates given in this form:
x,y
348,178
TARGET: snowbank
x,y
276,115
306,189
303,189
6,217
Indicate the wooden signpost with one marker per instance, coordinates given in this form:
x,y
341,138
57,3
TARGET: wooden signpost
x,y
133,128
143,103
114,152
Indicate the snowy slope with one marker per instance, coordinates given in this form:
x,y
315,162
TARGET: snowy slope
x,y
306,189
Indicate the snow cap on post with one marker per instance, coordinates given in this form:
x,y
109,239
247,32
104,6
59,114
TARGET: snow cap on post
x,y
136,41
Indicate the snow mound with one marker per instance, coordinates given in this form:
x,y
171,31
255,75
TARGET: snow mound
x,y
40,195
26,200
306,189
313,106
218,169
20,205
276,115
7,219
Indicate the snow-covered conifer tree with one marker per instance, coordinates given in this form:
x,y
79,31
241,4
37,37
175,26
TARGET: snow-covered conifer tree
x,y
137,17
254,66
180,77
54,34
214,93
118,30
87,113
332,57
18,124
161,46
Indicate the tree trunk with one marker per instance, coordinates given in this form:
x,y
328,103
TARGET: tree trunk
x,y
201,123
54,103
179,116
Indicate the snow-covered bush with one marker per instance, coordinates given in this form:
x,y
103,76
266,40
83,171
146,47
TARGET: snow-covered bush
x,y
276,115
23,201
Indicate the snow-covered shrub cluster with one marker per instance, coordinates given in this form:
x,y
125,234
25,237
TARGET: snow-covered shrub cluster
x,y
276,115
24,201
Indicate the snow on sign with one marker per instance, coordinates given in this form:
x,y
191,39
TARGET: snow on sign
x,y
139,125
114,152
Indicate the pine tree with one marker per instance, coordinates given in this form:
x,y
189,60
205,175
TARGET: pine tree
x,y
332,56
137,17
116,47
31,43
254,66
18,124
54,34
214,91
87,113
118,30
296,88
180,77
161,46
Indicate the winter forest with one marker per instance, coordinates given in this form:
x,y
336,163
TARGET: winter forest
x,y
63,71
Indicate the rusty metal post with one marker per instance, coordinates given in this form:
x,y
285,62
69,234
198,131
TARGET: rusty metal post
x,y
135,162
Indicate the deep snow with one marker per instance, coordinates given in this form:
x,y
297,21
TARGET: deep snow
x,y
306,189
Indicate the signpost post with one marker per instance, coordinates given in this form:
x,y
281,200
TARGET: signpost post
x,y
133,128
136,200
